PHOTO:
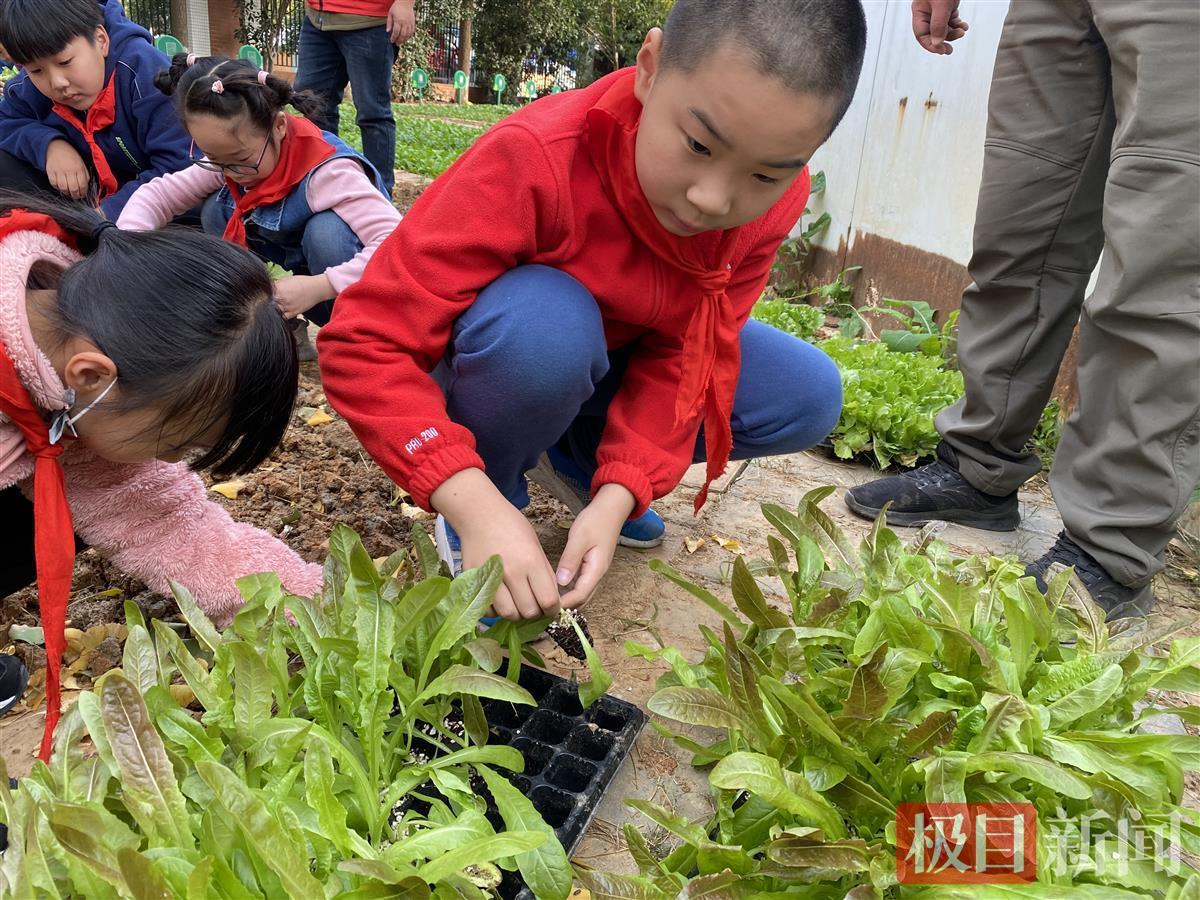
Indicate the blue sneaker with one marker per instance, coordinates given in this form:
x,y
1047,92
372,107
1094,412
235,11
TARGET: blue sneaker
x,y
561,477
449,547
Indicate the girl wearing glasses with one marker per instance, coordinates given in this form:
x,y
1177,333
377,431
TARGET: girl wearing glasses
x,y
269,180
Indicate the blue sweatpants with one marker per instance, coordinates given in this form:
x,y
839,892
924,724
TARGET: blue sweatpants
x,y
528,369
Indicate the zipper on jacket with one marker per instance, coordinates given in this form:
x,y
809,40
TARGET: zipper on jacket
x,y
130,156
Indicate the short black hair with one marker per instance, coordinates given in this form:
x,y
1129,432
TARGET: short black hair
x,y
32,29
812,46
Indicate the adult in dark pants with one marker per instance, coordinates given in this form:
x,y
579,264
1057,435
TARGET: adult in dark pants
x,y
355,42
1093,142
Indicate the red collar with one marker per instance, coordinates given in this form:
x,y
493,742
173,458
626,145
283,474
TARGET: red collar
x,y
711,350
304,147
99,116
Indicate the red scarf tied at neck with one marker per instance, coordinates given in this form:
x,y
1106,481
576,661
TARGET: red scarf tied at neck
x,y
303,148
54,534
711,351
99,116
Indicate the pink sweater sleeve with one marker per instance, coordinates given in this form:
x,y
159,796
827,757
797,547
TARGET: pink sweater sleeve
x,y
155,521
159,201
342,186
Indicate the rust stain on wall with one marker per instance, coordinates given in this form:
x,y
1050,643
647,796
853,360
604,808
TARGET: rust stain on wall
x,y
930,103
905,272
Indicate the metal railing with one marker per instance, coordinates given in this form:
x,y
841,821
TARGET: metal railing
x,y
153,15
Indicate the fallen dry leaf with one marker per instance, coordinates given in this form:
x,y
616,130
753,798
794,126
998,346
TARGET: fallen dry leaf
x,y
693,544
182,694
320,417
229,489
731,544
413,512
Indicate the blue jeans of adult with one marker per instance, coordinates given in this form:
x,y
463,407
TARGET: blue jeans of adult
x,y
327,242
363,58
528,369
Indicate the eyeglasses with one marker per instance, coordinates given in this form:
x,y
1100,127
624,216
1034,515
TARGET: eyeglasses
x,y
231,168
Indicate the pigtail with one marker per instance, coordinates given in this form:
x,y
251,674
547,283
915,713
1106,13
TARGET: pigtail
x,y
86,224
168,79
308,103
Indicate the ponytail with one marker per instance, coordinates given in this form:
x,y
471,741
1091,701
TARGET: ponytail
x,y
242,89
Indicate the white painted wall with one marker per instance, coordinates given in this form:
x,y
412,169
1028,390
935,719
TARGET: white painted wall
x,y
198,37
912,174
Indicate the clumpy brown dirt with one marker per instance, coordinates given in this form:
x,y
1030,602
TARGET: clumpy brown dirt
x,y
319,476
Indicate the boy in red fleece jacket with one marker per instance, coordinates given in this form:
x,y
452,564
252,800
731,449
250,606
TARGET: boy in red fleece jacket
x,y
579,285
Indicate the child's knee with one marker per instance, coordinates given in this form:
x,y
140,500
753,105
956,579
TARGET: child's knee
x,y
806,411
826,396
541,321
328,241
214,215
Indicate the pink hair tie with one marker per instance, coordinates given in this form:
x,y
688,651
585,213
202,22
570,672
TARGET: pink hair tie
x,y
191,59
218,87
262,77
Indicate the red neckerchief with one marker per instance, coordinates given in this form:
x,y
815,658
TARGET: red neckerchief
x,y
54,534
303,148
99,116
711,351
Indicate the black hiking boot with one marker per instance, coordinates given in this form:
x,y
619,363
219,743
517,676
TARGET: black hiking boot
x,y
1117,600
13,679
936,492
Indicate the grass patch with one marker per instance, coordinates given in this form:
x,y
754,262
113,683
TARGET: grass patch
x,y
423,145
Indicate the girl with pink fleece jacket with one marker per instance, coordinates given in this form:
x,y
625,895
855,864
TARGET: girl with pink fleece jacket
x,y
146,348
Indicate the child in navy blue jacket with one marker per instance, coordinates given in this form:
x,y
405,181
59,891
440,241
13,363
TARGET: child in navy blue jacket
x,y
84,117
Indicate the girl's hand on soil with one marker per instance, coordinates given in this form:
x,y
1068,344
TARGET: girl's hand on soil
x,y
66,170
935,23
297,294
591,543
487,524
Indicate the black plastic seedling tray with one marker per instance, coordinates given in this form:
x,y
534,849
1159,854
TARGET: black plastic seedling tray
x,y
571,754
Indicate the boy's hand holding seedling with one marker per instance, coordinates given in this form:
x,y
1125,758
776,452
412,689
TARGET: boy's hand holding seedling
x,y
591,542
66,170
487,524
296,294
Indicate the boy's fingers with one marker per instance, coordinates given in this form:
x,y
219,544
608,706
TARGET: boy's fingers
x,y
572,557
545,591
503,605
522,597
590,574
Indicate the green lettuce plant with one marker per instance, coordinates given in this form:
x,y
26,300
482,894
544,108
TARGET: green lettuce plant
x,y
884,674
889,401
325,720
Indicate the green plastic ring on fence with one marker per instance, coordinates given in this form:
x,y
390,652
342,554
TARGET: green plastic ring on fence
x,y
460,79
169,44
531,89
499,84
251,53
420,79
